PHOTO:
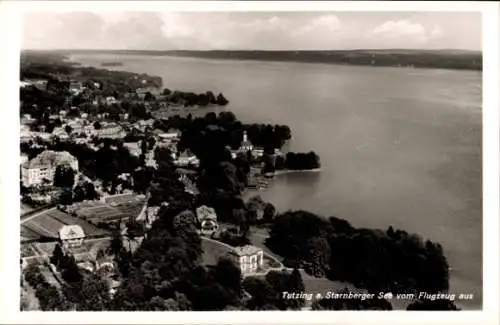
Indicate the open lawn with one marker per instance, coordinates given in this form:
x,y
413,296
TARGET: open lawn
x,y
123,207
28,234
44,227
88,229
212,251
130,209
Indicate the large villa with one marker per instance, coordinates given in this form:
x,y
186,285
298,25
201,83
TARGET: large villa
x,y
44,165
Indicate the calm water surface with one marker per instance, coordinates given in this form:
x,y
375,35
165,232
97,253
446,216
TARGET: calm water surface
x,y
398,147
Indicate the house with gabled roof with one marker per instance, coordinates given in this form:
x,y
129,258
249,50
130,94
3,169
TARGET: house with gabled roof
x,y
71,236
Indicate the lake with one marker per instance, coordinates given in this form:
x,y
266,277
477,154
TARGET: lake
x,y
399,147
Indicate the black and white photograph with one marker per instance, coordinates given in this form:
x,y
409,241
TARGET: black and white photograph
x,y
275,159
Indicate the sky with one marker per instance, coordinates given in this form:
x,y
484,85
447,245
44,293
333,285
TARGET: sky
x,y
252,30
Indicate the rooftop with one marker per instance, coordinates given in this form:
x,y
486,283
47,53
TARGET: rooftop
x,y
49,158
71,232
204,212
246,250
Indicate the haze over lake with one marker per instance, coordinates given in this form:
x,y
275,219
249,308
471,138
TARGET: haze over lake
x,y
398,147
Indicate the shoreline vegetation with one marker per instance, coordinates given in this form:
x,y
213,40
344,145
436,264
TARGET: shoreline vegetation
x,y
406,58
111,64
166,271
292,171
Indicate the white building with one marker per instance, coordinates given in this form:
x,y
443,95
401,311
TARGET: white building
x,y
208,219
75,87
59,131
71,236
76,126
250,259
245,144
186,159
40,84
205,213
133,147
111,100
169,136
44,166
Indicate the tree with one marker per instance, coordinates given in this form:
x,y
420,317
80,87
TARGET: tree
x,y
93,294
221,100
226,118
255,209
32,275
66,197
79,193
212,297
281,282
149,97
70,270
367,258
91,193
68,129
97,125
262,294
64,176
269,212
116,244
135,229
57,255
319,256
50,298
228,275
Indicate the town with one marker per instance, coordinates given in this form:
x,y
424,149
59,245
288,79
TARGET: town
x,y
76,211
133,198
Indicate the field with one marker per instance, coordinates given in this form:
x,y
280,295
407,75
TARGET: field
x,y
130,209
48,225
28,234
99,213
212,251
115,208
122,199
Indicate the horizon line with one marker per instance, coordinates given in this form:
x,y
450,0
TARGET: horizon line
x,y
262,50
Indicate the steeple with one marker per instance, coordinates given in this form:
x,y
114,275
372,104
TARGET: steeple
x,y
245,144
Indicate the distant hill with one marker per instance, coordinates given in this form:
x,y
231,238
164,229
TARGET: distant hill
x,y
439,59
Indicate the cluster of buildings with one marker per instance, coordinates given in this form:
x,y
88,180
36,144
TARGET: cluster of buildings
x,y
246,146
42,168
71,238
40,84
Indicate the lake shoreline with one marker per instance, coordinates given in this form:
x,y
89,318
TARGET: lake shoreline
x,y
293,171
391,200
